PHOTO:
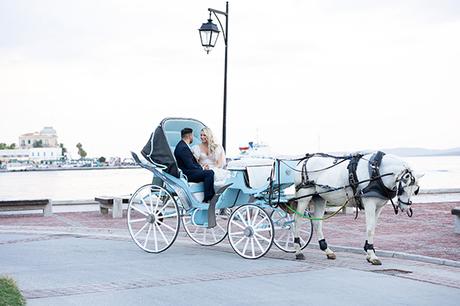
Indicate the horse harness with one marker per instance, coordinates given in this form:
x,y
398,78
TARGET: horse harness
x,y
376,187
306,182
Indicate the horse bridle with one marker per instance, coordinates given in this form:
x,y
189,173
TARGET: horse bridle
x,y
400,189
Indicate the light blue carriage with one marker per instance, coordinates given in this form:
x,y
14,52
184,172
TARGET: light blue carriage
x,y
241,208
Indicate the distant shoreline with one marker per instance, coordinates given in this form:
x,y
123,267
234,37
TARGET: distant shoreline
x,y
73,169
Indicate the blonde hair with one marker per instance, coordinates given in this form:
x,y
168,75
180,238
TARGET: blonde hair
x,y
212,145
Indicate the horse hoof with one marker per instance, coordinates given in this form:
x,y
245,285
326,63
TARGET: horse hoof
x,y
375,262
331,256
300,256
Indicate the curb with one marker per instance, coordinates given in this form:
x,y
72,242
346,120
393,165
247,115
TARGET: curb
x,y
394,254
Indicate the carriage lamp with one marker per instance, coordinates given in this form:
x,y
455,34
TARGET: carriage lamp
x,y
209,33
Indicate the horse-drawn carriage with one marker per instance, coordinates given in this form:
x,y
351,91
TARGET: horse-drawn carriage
x,y
252,206
240,209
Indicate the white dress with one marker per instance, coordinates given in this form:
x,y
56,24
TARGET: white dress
x,y
220,175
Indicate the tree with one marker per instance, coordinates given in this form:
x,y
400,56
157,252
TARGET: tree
x,y
4,146
64,149
81,152
101,159
38,144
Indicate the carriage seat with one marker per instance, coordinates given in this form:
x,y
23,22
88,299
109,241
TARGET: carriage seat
x,y
173,138
256,170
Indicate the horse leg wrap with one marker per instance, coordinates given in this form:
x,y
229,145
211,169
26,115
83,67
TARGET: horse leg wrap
x,y
368,246
322,244
299,255
297,240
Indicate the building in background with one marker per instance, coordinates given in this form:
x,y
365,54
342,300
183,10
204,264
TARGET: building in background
x,y
46,138
35,147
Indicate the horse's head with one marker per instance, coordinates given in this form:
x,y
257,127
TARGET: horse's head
x,y
407,186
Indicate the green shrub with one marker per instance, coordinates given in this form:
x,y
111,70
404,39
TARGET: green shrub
x,y
9,293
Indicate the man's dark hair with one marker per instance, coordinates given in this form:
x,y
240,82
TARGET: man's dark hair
x,y
185,131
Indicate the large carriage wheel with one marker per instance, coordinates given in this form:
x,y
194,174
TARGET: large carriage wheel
x,y
199,231
284,230
250,231
153,218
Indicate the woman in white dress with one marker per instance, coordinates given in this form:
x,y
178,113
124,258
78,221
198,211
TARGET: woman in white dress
x,y
211,155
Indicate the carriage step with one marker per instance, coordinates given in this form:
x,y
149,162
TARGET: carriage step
x,y
212,206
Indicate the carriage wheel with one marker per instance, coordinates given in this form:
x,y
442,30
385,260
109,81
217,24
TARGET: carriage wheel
x,y
250,231
284,230
200,233
153,218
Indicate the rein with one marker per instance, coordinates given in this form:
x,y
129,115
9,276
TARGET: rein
x,y
318,219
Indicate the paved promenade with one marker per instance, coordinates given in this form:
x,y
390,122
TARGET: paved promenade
x,y
88,259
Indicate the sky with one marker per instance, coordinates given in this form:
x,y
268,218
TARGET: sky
x,y
303,76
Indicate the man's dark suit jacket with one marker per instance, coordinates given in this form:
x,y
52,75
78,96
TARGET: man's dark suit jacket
x,y
185,159
192,169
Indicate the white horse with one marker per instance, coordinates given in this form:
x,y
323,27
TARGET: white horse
x,y
322,178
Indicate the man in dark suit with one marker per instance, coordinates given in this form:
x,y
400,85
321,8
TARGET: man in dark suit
x,y
188,164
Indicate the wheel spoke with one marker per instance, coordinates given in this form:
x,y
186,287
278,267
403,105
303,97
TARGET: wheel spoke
x,y
147,237
258,223
165,225
284,233
239,225
301,239
237,233
163,208
241,218
262,237
238,242
151,201
286,244
213,235
248,215
142,228
205,231
141,211
220,226
245,245
258,244
145,205
155,237
255,217
137,220
262,229
161,233
169,215
252,248
158,200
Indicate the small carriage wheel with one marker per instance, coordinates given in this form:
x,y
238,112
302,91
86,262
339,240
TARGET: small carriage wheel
x,y
201,234
153,218
284,230
250,231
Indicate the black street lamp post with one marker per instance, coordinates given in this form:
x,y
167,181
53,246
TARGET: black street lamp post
x,y
209,32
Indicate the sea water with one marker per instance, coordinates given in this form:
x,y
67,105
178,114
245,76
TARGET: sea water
x,y
439,173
